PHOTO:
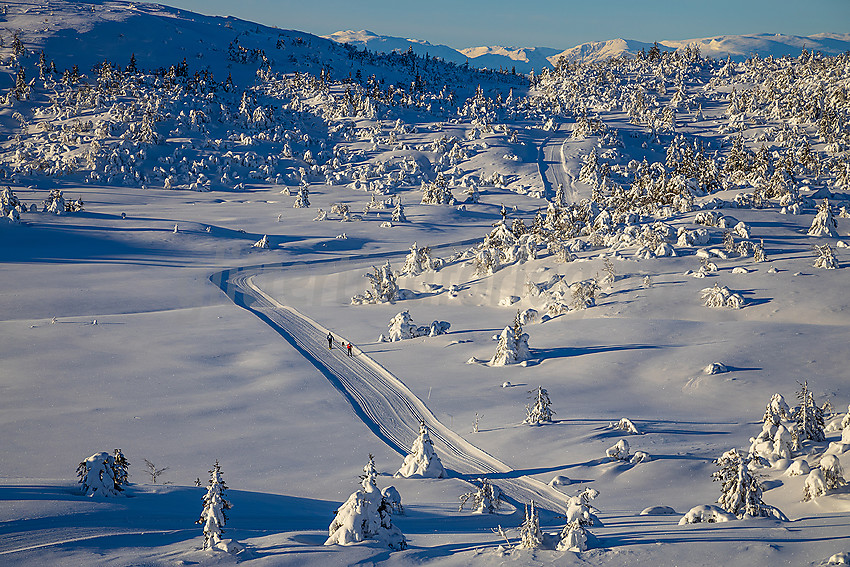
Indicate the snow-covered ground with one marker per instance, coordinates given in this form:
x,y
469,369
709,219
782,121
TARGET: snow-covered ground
x,y
153,319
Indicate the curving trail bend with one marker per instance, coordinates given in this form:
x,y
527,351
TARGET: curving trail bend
x,y
382,401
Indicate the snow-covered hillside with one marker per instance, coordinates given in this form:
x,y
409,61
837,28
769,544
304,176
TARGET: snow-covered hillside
x,y
340,307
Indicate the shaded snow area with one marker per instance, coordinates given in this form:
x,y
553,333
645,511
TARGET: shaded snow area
x,y
634,271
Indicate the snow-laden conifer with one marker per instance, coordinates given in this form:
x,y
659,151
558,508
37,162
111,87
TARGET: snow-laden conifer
x,y
721,296
302,200
213,516
398,212
512,347
367,514
539,410
120,469
422,462
777,410
97,475
417,261
740,492
384,286
833,473
826,257
486,499
530,536
808,417
824,224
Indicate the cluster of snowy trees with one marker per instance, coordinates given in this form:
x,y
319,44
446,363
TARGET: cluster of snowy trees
x,y
105,475
402,327
789,439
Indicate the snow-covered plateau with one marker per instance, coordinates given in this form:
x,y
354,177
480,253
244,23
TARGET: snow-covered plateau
x,y
610,296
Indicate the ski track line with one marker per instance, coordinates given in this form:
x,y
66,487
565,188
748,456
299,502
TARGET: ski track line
x,y
12,538
382,401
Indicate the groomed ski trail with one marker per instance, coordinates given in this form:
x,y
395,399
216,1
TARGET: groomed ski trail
x,y
382,401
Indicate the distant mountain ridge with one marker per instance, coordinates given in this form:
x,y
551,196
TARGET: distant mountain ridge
x,y
524,59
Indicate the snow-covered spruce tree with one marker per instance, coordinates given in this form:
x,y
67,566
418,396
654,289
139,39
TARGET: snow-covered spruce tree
x,y
417,261
367,514
740,491
579,508
422,462
8,201
438,192
213,516
824,224
384,286
120,469
539,411
512,347
486,499
826,257
579,517
97,475
398,212
55,202
808,417
530,536
262,243
584,294
573,538
401,327
302,200
833,473
815,485
777,410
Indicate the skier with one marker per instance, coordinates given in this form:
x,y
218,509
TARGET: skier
x,y
330,341
349,349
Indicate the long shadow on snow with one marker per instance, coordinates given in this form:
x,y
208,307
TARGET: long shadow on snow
x,y
542,354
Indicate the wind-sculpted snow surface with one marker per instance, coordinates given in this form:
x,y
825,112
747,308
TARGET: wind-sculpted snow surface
x,y
381,400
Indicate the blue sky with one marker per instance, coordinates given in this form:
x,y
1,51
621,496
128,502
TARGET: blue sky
x,y
550,23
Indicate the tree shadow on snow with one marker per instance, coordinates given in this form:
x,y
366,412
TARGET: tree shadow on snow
x,y
542,354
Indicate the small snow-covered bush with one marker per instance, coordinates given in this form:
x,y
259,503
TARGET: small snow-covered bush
x,y
393,498
625,424
422,462
302,200
715,368
815,485
826,257
640,457
721,296
833,474
707,513
263,242
798,468
620,451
